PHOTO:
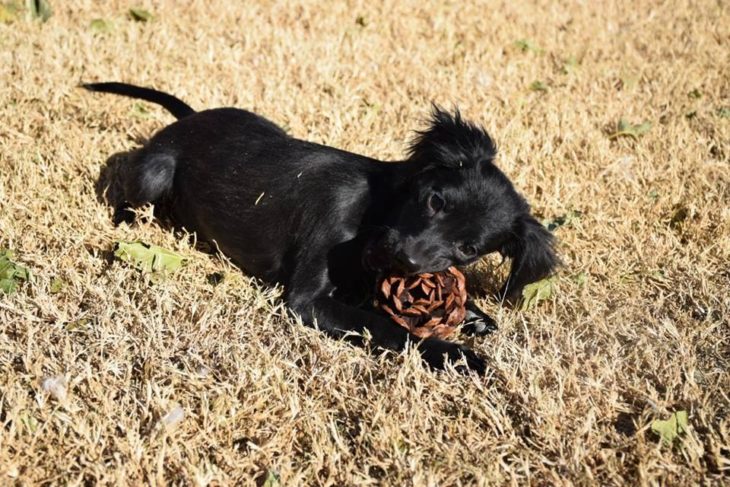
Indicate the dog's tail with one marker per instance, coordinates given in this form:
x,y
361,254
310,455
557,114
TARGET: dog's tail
x,y
173,105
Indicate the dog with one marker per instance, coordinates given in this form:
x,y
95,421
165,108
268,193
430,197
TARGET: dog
x,y
325,223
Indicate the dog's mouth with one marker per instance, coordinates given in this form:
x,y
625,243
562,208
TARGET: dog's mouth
x,y
375,259
382,255
378,254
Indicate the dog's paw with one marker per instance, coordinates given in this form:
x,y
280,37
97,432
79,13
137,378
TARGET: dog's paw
x,y
478,323
123,214
436,353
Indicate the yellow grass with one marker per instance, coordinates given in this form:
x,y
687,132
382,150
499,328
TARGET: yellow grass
x,y
637,329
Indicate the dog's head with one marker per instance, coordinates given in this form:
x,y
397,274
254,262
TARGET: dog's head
x,y
457,206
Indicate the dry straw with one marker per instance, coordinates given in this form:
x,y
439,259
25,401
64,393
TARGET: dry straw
x,y
636,327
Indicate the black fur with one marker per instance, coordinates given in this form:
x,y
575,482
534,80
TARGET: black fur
x,y
325,223
172,104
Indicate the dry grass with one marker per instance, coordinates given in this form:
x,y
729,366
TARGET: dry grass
x,y
574,383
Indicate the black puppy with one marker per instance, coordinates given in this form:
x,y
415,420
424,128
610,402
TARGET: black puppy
x,y
325,223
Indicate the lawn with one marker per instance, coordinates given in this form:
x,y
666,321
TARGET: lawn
x,y
612,118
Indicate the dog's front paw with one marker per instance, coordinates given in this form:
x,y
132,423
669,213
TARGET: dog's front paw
x,y
478,323
436,353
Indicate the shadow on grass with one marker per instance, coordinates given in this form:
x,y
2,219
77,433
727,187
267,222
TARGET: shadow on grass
x,y
485,279
110,191
109,186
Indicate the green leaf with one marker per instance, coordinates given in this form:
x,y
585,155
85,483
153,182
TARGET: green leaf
x,y
669,430
625,129
101,25
272,479
526,45
536,292
6,16
56,285
30,423
140,14
78,325
39,9
538,85
629,81
11,273
723,112
570,65
360,20
563,220
696,94
140,110
657,276
9,12
148,258
8,286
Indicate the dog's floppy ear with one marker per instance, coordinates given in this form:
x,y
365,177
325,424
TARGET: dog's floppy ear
x,y
533,256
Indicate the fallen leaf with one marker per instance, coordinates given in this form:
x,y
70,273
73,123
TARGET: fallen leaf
x,y
39,9
140,14
570,65
148,258
56,285
563,220
30,423
670,429
538,85
11,273
628,81
536,292
78,325
272,479
658,276
526,45
101,25
625,129
9,12
140,110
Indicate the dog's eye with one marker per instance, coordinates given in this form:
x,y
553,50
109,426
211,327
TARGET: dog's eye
x,y
468,250
436,203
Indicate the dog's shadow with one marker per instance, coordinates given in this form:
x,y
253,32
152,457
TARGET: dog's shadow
x,y
485,279
109,189
109,185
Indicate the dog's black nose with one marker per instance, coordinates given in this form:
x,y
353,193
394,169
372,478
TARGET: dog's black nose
x,y
405,261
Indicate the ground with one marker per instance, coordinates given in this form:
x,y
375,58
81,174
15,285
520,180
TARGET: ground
x,y
193,379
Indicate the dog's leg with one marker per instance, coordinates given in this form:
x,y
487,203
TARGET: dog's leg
x,y
148,180
123,214
477,322
313,302
338,319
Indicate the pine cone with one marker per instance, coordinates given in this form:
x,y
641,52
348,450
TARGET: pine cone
x,y
429,304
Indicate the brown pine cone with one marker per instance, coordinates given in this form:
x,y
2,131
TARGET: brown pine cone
x,y
429,304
